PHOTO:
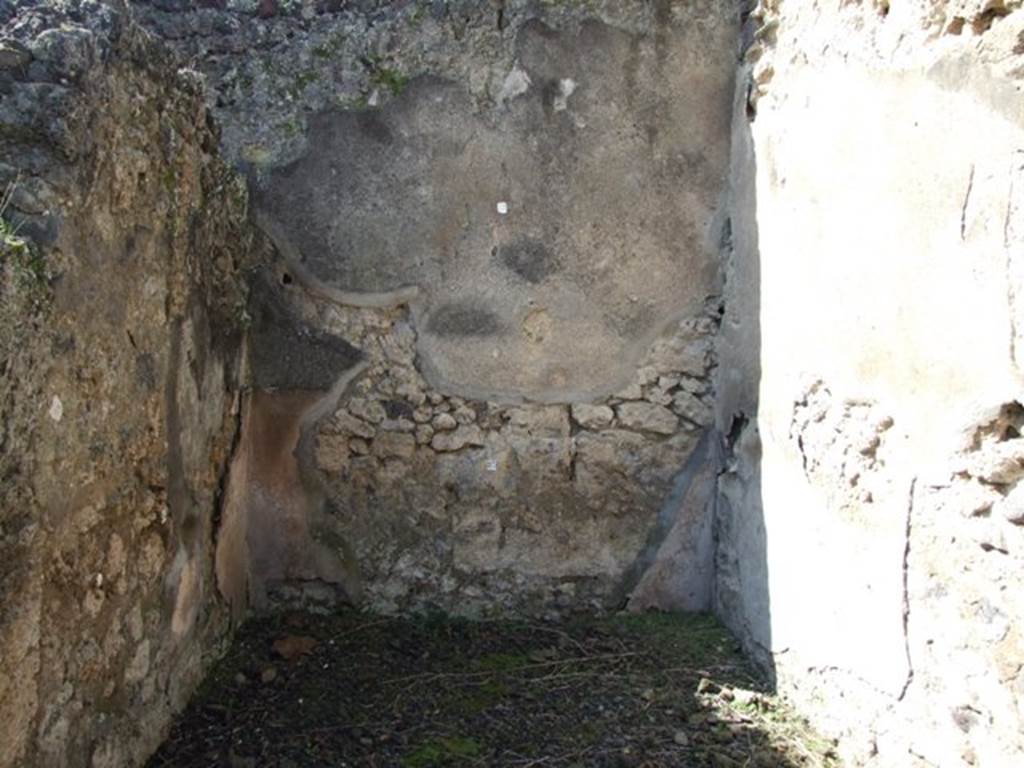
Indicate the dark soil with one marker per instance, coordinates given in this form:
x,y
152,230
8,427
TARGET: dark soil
x,y
355,689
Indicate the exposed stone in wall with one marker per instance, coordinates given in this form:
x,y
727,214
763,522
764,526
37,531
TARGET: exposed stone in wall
x,y
430,500
458,502
538,183
489,368
508,214
119,367
542,238
841,446
868,374
271,72
963,600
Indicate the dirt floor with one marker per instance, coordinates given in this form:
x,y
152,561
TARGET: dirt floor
x,y
355,689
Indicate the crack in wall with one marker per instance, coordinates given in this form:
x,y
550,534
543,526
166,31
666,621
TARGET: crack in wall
x,y
906,590
963,206
1010,235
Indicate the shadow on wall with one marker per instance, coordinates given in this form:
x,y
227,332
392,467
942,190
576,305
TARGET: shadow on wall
x,y
272,506
741,596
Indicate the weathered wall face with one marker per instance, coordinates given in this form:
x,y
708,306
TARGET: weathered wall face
x,y
508,214
374,486
469,505
118,374
869,533
492,365
549,238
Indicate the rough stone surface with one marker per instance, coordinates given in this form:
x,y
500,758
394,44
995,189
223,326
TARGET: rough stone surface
x,y
541,190
533,508
119,366
473,211
647,417
493,366
592,416
380,489
869,379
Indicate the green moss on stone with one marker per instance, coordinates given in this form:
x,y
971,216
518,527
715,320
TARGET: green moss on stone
x,y
22,264
391,79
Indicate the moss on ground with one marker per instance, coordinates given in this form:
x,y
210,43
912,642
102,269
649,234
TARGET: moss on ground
x,y
440,752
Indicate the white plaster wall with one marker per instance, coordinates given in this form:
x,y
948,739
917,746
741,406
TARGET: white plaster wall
x,y
870,335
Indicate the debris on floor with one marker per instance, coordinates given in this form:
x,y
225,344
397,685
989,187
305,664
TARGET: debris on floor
x,y
356,689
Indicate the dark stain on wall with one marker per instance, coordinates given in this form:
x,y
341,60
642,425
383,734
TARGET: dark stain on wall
x,y
373,126
463,319
529,258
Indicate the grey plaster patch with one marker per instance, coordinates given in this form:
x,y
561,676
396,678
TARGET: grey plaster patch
x,y
590,195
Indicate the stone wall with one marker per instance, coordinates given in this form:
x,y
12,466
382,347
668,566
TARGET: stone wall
x,y
869,531
119,369
499,230
492,363
395,494
468,505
